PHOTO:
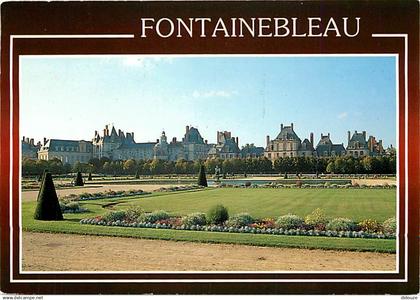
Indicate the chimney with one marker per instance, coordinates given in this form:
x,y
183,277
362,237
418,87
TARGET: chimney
x,y
205,141
364,135
104,132
132,135
187,128
311,138
291,125
96,133
45,140
328,135
119,132
267,139
218,139
174,140
157,141
31,141
237,141
23,138
355,131
348,137
281,126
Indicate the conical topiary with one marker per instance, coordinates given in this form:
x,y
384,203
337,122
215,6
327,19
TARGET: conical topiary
x,y
137,176
202,180
42,180
79,180
89,176
47,207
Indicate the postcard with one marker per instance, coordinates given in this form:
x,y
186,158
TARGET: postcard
x,y
210,147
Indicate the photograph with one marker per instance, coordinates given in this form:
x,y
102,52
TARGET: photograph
x,y
209,148
208,163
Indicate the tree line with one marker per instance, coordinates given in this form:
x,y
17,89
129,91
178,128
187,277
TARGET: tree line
x,y
261,165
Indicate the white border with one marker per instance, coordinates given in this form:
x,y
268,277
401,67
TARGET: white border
x,y
212,272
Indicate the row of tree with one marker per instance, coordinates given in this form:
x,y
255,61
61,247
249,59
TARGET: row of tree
x,y
337,165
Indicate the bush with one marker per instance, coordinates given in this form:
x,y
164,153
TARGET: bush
x,y
79,180
194,219
370,225
341,224
248,184
316,219
239,220
154,216
390,226
202,180
113,216
289,221
217,214
133,213
47,207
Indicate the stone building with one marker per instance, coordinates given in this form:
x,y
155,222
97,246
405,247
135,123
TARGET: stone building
x,y
29,149
226,147
115,146
326,148
357,145
375,147
251,151
68,151
288,144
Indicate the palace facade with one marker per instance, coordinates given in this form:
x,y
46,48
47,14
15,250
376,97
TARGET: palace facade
x,y
117,145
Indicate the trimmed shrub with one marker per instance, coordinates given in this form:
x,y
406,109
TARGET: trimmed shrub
x,y
154,216
202,180
316,219
390,225
133,213
90,177
240,220
194,219
137,175
289,221
217,214
47,207
113,216
79,179
248,184
370,225
341,224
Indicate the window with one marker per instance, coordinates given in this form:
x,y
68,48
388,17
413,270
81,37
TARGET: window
x,y
361,153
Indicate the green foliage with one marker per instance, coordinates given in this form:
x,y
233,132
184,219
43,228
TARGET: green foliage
x,y
217,214
194,219
370,225
289,221
154,216
341,224
133,213
79,179
202,180
48,207
390,225
90,177
113,216
242,219
316,219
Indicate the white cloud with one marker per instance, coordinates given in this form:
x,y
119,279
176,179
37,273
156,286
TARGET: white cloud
x,y
214,94
342,115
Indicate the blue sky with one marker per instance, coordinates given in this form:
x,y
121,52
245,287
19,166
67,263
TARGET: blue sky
x,y
70,97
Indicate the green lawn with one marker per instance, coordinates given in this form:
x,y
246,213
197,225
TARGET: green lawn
x,y
356,204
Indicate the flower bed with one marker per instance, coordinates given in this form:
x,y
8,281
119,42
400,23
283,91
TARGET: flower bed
x,y
179,188
298,184
101,195
314,224
242,229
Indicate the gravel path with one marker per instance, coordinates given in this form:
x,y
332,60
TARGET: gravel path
x,y
68,252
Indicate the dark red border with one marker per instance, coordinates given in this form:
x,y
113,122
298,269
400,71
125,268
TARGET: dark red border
x,y
30,18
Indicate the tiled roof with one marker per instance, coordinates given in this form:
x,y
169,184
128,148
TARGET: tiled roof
x,y
287,133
